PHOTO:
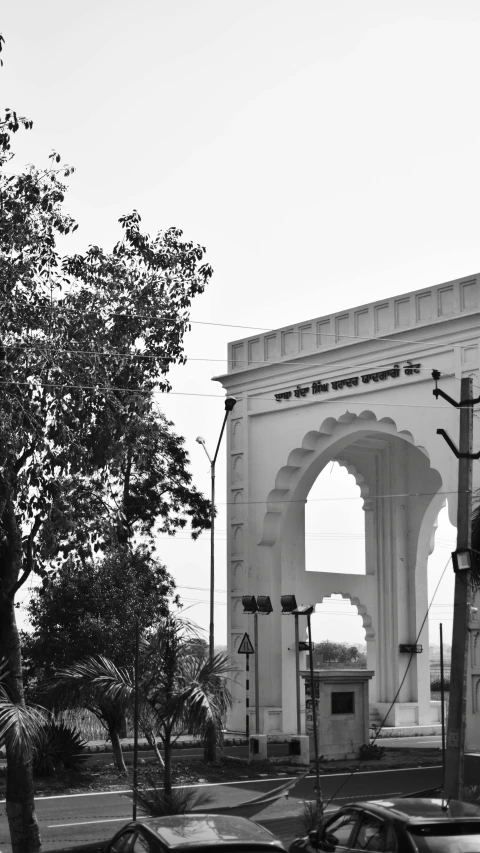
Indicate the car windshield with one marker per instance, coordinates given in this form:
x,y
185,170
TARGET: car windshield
x,y
448,838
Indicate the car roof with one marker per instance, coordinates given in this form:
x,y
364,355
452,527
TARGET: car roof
x,y
421,809
200,830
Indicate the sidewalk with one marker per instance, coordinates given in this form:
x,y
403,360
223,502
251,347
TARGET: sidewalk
x,y
183,742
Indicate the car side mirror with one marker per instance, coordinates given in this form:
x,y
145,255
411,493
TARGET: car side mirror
x,y
328,842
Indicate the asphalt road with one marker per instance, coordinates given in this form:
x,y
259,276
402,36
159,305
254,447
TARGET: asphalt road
x,y
81,818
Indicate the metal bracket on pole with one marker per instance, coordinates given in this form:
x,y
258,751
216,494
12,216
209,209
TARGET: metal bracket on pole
x,y
454,449
458,404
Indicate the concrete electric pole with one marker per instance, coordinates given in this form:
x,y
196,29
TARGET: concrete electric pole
x,y
462,560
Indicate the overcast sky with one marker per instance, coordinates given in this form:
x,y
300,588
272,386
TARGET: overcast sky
x,y
325,153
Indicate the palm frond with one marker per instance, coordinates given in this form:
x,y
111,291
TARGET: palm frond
x,y
205,697
20,726
96,674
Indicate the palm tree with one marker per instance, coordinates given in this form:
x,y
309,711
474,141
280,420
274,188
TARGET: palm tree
x,y
184,690
20,725
102,688
179,690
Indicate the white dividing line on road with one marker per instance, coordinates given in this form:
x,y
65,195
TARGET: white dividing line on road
x,y
117,819
246,782
88,822
362,798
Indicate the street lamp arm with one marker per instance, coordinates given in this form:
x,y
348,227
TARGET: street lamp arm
x,y
201,441
219,440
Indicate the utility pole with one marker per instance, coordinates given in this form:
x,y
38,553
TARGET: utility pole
x,y
297,675
442,698
455,749
210,740
257,674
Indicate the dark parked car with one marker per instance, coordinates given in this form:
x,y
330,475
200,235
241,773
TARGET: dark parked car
x,y
398,826
196,833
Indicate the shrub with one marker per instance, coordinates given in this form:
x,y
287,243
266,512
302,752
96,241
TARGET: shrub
x,y
371,752
471,794
154,800
436,685
58,746
311,816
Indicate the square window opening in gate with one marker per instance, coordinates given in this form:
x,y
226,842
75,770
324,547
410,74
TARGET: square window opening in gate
x,y
343,703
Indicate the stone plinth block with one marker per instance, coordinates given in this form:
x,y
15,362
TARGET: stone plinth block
x,y
257,747
299,749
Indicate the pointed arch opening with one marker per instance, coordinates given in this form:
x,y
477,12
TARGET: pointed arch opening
x,y
335,522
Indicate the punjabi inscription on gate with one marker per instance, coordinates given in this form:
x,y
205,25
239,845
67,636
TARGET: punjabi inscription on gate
x,y
320,387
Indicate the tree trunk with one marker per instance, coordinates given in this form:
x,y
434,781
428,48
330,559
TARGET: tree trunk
x,y
152,741
22,821
123,726
117,750
210,744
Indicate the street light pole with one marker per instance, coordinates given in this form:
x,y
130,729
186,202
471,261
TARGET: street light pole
x,y
289,605
297,674
257,674
210,740
318,789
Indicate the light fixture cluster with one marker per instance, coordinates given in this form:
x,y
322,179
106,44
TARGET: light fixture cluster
x,y
263,604
260,604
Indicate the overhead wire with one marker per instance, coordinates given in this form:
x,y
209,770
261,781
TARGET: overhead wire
x,y
34,347
387,338
148,391
382,724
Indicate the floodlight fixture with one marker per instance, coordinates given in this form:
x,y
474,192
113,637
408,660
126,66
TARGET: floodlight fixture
x,y
289,603
264,604
200,440
249,604
230,403
304,610
462,560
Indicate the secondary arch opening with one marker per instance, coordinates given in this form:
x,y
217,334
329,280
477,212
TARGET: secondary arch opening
x,y
335,523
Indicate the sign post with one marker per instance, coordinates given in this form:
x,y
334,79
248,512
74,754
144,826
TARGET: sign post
x,y
246,648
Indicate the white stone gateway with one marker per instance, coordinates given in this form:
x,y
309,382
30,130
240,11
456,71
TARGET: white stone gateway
x,y
354,387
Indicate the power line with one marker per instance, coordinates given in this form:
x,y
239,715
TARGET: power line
x,y
387,338
399,688
336,498
251,399
140,355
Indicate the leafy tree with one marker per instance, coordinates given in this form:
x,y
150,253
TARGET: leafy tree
x,y
180,688
336,652
85,344
144,488
92,609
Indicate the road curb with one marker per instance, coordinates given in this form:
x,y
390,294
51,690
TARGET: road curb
x,y
101,747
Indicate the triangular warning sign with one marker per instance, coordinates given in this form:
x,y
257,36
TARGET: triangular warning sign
x,y
245,647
